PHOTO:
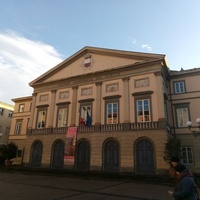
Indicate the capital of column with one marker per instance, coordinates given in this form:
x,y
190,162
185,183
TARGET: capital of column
x,y
75,87
98,83
126,79
157,73
34,94
53,91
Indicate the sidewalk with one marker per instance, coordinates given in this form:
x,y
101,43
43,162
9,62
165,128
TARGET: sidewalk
x,y
20,186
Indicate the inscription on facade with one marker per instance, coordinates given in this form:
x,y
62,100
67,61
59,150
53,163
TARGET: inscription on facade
x,y
89,79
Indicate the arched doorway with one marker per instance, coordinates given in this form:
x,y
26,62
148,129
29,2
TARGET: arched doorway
x,y
57,160
36,154
145,157
111,156
83,156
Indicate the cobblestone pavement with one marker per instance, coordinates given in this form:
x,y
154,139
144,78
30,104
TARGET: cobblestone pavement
x,y
20,186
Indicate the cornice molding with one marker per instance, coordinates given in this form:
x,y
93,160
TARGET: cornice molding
x,y
63,103
142,93
112,97
86,100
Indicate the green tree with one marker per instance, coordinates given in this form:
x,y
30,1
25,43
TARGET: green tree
x,y
7,152
11,150
172,148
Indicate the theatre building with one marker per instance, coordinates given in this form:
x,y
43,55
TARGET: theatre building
x,y
99,110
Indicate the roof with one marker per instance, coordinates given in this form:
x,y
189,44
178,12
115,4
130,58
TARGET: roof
x,y
184,72
146,57
6,106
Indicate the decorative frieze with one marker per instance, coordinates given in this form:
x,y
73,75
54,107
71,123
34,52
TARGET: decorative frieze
x,y
142,82
64,95
112,87
86,91
43,98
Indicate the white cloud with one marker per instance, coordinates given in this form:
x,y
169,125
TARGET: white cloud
x,y
147,46
21,61
133,41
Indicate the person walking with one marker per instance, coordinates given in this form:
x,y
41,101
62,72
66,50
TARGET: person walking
x,y
174,161
186,189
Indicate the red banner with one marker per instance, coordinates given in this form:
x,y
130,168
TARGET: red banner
x,y
70,142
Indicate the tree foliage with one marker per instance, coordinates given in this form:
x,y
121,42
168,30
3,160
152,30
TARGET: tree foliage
x,y
172,148
8,152
11,150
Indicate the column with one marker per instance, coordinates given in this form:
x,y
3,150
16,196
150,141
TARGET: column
x,y
98,103
51,109
74,106
126,100
30,125
160,98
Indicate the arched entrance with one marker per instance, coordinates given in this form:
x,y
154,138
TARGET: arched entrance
x,y
57,160
36,154
111,156
145,157
83,156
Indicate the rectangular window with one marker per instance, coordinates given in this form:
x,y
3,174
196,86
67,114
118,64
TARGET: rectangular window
x,y
21,108
112,113
182,117
18,127
41,120
179,87
1,111
86,115
10,113
143,110
62,117
187,155
19,153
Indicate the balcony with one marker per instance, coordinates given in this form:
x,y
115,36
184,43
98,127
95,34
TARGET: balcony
x,y
101,128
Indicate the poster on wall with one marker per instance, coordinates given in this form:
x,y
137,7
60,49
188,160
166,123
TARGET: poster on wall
x,y
70,142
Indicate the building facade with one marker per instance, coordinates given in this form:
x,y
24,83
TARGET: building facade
x,y
19,125
6,112
99,110
185,98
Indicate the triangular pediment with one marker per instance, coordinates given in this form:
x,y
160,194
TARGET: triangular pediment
x,y
93,60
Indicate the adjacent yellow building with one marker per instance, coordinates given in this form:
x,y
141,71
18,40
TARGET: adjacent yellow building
x,y
6,112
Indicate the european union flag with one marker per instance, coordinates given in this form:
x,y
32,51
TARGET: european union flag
x,y
88,120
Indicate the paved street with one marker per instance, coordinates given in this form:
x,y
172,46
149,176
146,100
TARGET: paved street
x,y
19,186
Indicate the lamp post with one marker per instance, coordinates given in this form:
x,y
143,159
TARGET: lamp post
x,y
194,132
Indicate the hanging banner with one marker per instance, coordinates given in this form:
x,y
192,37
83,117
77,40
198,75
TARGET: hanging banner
x,y
70,142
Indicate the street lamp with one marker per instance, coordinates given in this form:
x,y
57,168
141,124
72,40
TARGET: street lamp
x,y
194,132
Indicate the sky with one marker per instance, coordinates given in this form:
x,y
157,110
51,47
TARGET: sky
x,y
36,35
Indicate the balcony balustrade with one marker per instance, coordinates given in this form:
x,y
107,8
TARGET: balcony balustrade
x,y
99,128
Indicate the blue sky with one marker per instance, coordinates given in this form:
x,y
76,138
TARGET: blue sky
x,y
35,35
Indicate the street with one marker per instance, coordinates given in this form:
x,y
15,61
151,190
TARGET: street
x,y
20,186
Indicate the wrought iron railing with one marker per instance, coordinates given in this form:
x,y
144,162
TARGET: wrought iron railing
x,y
99,128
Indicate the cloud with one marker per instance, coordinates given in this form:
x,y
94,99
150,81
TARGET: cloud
x,y
21,61
133,41
147,46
